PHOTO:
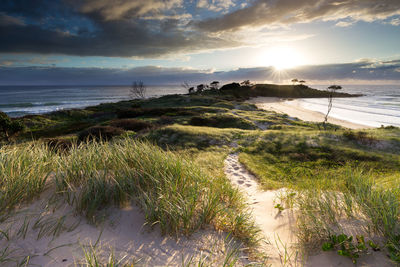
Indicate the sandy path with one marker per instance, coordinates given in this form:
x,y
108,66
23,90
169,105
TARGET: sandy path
x,y
279,228
294,109
276,226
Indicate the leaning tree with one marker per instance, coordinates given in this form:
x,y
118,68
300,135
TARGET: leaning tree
x,y
214,85
331,89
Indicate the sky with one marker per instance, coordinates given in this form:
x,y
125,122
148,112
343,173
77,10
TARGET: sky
x,y
115,42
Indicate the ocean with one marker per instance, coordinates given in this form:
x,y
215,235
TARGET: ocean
x,y
380,104
18,101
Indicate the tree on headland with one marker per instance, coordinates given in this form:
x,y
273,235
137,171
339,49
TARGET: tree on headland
x,y
245,83
301,82
214,85
187,86
138,90
294,81
9,127
200,88
331,89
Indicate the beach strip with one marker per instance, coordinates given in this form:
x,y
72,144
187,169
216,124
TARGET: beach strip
x,y
293,109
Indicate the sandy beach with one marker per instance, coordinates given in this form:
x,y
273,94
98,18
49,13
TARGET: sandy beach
x,y
293,109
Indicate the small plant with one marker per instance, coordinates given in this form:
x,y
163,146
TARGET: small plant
x,y
346,247
92,259
279,207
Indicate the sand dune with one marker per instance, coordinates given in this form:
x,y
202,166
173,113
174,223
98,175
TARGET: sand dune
x,y
279,227
123,233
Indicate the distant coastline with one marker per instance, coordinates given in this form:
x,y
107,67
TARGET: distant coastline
x,y
377,106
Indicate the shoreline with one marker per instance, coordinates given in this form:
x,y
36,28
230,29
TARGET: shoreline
x,y
280,106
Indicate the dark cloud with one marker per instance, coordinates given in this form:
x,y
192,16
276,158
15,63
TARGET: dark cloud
x,y
154,28
100,28
363,70
117,9
272,12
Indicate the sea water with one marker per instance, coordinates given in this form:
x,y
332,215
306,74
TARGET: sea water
x,y
18,101
379,105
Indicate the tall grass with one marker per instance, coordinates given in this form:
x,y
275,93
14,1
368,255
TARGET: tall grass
x,y
363,204
174,192
24,170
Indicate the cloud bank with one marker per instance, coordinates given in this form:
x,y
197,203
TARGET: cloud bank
x,y
284,12
157,28
364,70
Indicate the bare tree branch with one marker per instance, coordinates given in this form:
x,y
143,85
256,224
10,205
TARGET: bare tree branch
x,y
138,90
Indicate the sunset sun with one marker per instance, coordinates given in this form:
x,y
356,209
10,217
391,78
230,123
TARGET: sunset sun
x,y
282,57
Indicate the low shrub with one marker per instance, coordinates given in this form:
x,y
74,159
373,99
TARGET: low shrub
x,y
99,133
131,124
222,121
165,120
360,137
137,112
59,145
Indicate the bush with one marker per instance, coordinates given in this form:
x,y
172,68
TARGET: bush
x,y
59,145
137,112
99,133
8,126
360,137
222,121
131,124
130,113
164,120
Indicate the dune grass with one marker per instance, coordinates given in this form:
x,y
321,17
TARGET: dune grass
x,y
174,192
362,204
24,171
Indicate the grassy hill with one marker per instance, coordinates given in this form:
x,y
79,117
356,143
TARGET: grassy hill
x,y
274,90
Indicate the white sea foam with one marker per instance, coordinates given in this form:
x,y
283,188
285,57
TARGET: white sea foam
x,y
379,106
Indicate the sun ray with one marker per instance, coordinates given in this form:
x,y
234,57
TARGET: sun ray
x,y
281,58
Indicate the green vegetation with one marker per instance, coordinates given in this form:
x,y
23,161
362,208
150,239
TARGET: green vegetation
x,y
138,151
9,127
298,158
345,246
274,90
91,259
370,207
